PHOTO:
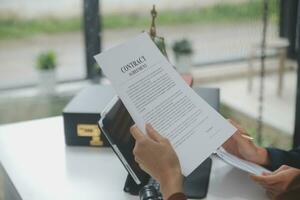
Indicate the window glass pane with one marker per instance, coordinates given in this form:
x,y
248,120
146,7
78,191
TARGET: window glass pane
x,y
224,37
28,28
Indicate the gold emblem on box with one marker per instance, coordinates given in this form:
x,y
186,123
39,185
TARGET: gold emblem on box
x,y
90,130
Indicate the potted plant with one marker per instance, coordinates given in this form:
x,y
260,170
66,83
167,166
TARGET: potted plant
x,y
183,55
46,65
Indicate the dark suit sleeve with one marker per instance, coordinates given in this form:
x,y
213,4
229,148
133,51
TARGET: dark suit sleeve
x,y
280,157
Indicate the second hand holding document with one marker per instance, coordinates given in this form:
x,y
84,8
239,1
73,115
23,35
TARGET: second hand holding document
x,y
153,92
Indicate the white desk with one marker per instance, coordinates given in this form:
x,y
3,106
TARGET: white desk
x,y
41,167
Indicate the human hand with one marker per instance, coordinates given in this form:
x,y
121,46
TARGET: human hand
x,y
244,148
156,156
279,182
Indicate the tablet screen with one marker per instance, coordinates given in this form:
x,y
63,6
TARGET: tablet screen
x,y
116,127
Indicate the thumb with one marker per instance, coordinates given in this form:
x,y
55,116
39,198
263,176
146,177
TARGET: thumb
x,y
152,133
136,133
281,168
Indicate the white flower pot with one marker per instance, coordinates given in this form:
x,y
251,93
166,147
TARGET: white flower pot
x,y
183,63
47,82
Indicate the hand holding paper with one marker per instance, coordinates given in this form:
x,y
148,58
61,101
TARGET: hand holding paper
x,y
241,164
153,92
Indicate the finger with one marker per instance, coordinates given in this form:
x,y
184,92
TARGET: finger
x,y
241,129
259,179
137,159
255,178
266,180
143,168
269,186
231,146
266,173
281,168
152,133
276,176
136,133
227,144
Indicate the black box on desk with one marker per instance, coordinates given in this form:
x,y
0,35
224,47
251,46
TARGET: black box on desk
x,y
82,114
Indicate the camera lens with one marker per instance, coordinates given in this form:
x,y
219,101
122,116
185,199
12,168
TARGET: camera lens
x,y
149,192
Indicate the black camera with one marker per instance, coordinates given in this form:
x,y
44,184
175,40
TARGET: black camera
x,y
151,191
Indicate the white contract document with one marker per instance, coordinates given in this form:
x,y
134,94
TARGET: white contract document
x,y
241,164
153,92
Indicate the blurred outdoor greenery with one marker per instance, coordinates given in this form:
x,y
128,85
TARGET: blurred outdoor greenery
x,y
271,137
12,27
